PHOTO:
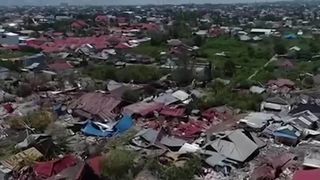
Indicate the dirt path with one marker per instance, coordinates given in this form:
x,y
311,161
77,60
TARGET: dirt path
x,y
274,58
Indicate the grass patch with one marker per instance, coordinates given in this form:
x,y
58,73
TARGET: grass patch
x,y
137,73
13,54
148,50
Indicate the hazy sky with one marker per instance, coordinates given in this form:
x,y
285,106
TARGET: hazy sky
x,y
120,2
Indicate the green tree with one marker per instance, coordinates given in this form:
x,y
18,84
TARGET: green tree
x,y
131,96
198,41
251,52
171,172
280,48
38,120
313,47
308,82
304,54
119,165
182,76
10,65
157,39
229,68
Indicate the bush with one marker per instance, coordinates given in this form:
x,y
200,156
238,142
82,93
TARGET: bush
x,y
24,90
172,172
138,74
229,68
304,55
101,72
280,48
225,96
10,65
38,120
131,96
157,39
198,41
119,164
245,84
308,82
182,76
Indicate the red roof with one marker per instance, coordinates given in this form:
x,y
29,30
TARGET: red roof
x,y
263,172
79,24
216,32
59,45
12,47
142,108
151,27
273,166
60,66
121,19
116,39
47,169
307,175
57,33
210,114
214,113
101,18
96,164
35,42
173,111
190,130
122,46
8,108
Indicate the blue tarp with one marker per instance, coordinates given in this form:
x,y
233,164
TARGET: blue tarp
x,y
93,130
124,124
291,36
285,135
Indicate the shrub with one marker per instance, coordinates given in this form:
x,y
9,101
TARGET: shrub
x,y
182,76
24,90
10,65
280,48
38,120
131,96
172,172
308,82
119,164
229,68
138,74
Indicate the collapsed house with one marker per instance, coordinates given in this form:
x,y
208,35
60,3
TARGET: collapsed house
x,y
235,145
95,105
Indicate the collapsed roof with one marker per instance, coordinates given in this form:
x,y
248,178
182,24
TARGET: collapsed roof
x,y
235,145
96,104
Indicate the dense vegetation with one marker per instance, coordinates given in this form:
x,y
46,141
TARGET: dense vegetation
x,y
137,74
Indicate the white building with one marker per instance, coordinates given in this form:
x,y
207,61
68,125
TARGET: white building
x,y
258,31
9,38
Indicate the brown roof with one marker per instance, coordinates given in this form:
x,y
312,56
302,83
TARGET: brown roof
x,y
60,66
97,104
281,82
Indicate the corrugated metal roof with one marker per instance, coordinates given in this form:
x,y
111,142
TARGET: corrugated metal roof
x,y
237,146
97,104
